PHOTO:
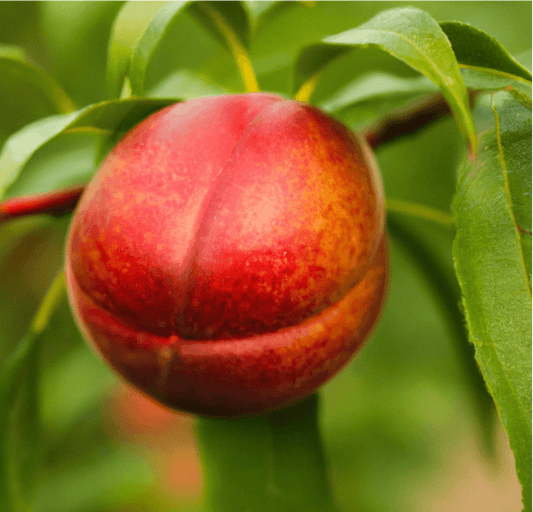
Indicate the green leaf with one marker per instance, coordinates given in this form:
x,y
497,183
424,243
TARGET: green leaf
x,y
20,147
286,473
187,85
443,286
376,85
473,47
490,266
19,422
524,59
485,63
311,63
414,37
235,456
483,79
12,232
128,29
13,52
26,93
154,32
262,13
106,119
228,22
299,469
218,17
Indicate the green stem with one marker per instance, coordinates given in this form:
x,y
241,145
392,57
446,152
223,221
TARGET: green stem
x,y
420,211
49,304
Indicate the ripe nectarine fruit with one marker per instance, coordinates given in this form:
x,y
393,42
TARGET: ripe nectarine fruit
x,y
229,257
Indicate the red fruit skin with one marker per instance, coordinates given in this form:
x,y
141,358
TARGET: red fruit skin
x,y
228,257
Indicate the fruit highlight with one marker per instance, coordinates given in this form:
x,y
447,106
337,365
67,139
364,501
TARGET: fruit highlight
x,y
229,257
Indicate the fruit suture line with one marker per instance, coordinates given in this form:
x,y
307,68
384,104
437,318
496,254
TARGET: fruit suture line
x,y
242,306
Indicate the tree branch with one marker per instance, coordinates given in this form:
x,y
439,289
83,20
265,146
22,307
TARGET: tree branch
x,y
57,202
404,121
409,119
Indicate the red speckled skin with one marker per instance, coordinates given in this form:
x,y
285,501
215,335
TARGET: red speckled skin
x,y
228,257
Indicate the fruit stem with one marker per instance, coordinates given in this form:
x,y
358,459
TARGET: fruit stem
x,y
56,202
237,49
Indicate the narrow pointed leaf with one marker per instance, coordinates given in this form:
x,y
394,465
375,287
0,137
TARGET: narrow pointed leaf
x,y
104,118
414,37
490,266
444,288
222,19
19,421
483,79
299,464
286,473
485,63
312,61
474,47
235,481
187,85
262,13
376,85
26,93
152,36
128,29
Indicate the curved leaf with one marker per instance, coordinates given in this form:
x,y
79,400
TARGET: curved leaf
x,y
375,85
299,467
19,425
444,288
130,25
13,52
262,13
104,118
286,473
219,17
187,85
228,22
483,79
145,47
26,93
310,64
474,47
414,37
490,266
485,63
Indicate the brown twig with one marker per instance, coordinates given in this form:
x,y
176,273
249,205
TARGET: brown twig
x,y
57,202
409,119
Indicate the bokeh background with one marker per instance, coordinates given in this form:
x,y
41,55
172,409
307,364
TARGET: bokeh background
x,y
398,426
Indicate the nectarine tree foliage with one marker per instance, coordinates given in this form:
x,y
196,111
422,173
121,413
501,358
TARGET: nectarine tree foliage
x,y
228,245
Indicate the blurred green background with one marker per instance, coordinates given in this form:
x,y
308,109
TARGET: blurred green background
x,y
399,430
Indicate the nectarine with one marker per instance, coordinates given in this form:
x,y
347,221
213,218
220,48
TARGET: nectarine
x,y
229,257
